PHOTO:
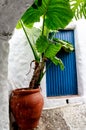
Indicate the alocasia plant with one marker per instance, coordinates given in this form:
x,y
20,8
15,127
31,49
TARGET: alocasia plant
x,y
55,15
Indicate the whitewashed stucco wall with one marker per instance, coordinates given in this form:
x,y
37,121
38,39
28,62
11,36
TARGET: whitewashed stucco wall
x,y
20,57
19,60
80,40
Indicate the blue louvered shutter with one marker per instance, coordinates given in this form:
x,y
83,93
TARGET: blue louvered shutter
x,y
60,83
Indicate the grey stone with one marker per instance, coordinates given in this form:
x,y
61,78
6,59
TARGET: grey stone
x,y
71,117
10,12
4,98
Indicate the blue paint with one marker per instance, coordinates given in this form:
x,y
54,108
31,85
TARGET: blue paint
x,y
60,83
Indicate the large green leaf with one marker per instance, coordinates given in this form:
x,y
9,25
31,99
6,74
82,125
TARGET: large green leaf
x,y
32,14
79,8
42,44
52,50
68,47
47,47
26,31
33,34
57,13
57,61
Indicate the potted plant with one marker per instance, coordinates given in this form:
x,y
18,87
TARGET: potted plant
x,y
54,15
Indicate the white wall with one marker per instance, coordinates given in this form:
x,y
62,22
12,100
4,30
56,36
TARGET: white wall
x,y
80,40
20,57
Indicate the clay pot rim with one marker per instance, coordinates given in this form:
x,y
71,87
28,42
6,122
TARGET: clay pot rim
x,y
23,91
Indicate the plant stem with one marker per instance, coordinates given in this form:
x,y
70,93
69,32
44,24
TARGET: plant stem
x,y
35,55
39,67
44,72
43,25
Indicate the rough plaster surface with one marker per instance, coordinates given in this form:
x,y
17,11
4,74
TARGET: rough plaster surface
x,y
20,57
10,12
81,56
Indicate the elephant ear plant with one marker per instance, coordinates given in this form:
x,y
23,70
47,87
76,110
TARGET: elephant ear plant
x,y
55,15
26,103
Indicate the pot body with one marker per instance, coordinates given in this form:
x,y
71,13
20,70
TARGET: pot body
x,y
26,106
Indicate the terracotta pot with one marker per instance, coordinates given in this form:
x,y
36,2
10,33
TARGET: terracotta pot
x,y
26,106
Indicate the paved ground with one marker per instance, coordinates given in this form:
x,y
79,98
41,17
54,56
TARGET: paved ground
x,y
70,117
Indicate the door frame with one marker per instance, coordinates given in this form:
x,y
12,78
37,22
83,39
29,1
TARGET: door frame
x,y
52,102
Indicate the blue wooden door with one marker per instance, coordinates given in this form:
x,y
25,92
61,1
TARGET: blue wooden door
x,y
60,83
